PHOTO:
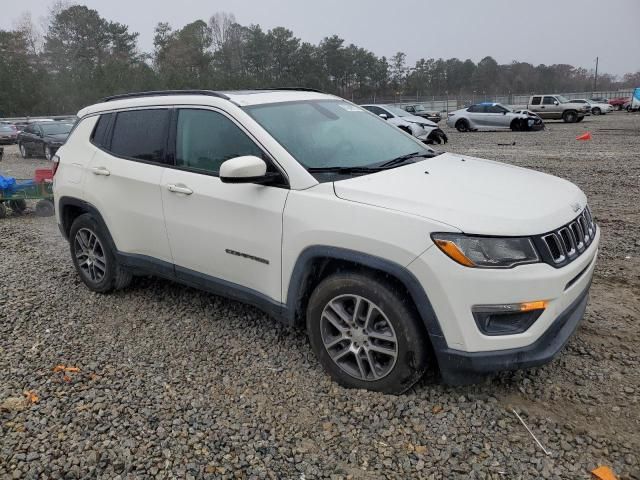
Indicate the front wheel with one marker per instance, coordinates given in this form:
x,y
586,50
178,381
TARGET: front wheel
x,y
596,111
23,151
462,126
365,335
570,117
93,257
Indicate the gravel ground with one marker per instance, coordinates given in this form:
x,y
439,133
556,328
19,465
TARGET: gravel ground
x,y
176,383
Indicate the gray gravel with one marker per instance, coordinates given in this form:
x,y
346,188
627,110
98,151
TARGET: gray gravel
x,y
176,383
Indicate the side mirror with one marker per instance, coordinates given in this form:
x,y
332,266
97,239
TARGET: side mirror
x,y
246,169
504,112
555,102
383,115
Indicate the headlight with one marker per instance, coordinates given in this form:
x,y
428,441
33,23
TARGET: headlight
x,y
486,252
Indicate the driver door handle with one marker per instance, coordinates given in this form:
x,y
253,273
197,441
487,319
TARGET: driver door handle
x,y
101,171
179,189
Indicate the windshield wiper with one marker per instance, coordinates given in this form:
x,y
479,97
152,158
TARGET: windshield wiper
x,y
394,162
345,170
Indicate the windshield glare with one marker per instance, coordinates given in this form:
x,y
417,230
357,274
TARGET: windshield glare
x,y
398,112
56,128
333,133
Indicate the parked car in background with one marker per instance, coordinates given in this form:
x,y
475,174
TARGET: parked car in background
x,y
421,128
597,108
619,102
599,100
492,116
557,107
8,133
43,138
419,111
397,259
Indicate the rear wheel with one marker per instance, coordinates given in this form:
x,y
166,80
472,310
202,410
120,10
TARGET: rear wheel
x,y
45,208
47,153
570,117
23,151
365,335
93,258
462,126
596,111
18,206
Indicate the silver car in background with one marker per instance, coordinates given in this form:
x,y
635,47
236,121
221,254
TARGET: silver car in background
x,y
493,116
421,128
597,108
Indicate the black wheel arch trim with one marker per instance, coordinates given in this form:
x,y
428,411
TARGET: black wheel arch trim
x,y
420,298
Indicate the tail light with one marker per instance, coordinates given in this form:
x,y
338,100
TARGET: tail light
x,y
55,162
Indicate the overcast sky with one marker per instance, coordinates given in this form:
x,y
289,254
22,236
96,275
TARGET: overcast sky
x,y
544,31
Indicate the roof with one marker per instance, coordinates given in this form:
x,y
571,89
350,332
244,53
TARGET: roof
x,y
240,98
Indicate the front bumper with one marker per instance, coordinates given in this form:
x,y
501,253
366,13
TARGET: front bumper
x,y
462,368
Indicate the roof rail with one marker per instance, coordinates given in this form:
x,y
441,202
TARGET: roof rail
x,y
157,93
299,89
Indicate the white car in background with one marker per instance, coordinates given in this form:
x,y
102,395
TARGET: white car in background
x,y
421,128
597,108
493,116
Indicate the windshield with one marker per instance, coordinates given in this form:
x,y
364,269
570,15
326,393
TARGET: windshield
x,y
562,99
55,128
419,108
333,133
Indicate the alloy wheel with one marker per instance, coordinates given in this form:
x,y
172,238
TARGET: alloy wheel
x,y
359,337
47,153
23,151
90,255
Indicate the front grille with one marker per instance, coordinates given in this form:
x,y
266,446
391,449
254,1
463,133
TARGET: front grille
x,y
567,243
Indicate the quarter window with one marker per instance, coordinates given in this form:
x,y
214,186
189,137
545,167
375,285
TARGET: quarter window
x,y
141,134
99,136
206,139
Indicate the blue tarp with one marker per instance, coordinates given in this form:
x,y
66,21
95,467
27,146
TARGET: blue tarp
x,y
7,183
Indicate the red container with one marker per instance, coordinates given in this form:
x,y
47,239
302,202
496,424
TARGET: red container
x,y
43,174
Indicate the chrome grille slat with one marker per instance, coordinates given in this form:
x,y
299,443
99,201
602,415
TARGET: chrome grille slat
x,y
569,241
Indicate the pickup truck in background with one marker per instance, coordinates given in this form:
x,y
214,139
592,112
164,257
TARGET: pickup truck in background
x,y
556,107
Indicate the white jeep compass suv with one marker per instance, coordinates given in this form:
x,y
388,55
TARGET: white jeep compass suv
x,y
395,258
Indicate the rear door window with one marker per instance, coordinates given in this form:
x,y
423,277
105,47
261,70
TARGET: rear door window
x,y
536,100
141,135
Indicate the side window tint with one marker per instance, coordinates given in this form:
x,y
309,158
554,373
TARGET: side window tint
x,y
99,136
141,134
548,101
496,109
535,101
205,139
472,109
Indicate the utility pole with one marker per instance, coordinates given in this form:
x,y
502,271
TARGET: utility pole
x,y
595,80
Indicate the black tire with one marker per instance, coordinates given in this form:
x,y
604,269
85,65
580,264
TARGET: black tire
x,y
462,125
47,153
412,344
18,206
114,277
516,125
596,111
570,117
579,119
23,151
45,208
3,210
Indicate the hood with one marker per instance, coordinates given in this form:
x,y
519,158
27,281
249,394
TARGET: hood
x,y
417,119
473,195
58,137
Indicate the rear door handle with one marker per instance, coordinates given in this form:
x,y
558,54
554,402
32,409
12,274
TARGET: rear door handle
x,y
179,189
101,171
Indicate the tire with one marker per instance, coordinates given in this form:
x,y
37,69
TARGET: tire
x,y
45,208
596,111
462,125
3,210
47,153
619,108
569,117
579,119
516,125
395,365
23,151
18,206
94,258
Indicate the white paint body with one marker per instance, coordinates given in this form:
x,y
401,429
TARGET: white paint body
x,y
389,214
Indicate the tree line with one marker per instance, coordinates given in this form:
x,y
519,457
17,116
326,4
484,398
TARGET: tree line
x,y
78,57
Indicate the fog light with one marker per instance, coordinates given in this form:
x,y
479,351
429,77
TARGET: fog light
x,y
507,319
